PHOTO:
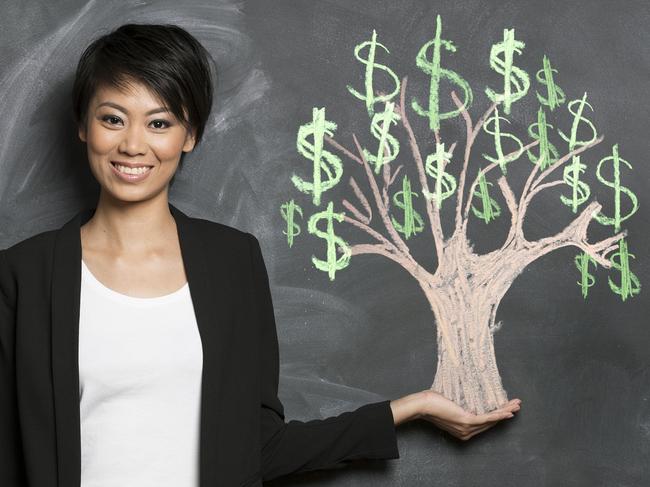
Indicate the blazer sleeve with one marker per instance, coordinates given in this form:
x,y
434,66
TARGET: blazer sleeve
x,y
296,446
12,466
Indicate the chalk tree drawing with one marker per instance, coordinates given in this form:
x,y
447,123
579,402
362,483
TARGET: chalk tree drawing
x,y
466,288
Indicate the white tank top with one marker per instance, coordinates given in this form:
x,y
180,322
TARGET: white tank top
x,y
140,364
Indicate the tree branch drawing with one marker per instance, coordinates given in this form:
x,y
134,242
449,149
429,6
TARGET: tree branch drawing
x,y
466,288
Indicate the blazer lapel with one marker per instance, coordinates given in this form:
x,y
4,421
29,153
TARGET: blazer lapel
x,y
209,280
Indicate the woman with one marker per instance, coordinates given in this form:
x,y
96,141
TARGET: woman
x,y
162,322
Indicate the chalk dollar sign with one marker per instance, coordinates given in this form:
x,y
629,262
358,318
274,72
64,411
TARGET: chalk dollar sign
x,y
332,263
431,66
579,189
587,280
323,160
493,127
554,94
288,210
576,107
369,97
491,209
630,284
445,183
616,219
413,222
548,153
388,145
515,80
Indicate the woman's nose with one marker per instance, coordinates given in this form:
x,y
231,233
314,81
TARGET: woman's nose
x,y
134,141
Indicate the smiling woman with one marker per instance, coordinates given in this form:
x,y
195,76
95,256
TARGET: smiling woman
x,y
107,381
130,138
125,78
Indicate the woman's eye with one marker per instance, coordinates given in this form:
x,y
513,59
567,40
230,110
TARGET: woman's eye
x,y
160,124
111,119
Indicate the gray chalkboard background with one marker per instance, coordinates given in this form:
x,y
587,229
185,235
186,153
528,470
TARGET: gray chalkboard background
x,y
581,367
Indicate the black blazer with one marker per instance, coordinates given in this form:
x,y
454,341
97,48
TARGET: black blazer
x,y
244,438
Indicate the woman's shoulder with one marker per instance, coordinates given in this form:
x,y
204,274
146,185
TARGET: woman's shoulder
x,y
30,247
28,258
223,233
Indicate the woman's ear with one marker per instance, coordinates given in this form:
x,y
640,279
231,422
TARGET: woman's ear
x,y
82,132
190,140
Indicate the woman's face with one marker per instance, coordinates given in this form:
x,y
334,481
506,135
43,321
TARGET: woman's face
x,y
131,127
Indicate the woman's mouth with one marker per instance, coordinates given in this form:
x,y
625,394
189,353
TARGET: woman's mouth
x,y
130,174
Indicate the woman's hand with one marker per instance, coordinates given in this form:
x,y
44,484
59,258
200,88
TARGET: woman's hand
x,y
447,415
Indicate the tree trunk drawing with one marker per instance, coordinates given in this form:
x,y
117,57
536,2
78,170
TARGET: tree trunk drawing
x,y
464,305
467,371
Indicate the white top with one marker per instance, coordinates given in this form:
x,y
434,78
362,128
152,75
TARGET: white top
x,y
140,365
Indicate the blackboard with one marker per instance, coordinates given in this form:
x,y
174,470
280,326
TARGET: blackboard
x,y
580,365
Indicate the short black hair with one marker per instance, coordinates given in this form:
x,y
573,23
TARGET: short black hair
x,y
164,57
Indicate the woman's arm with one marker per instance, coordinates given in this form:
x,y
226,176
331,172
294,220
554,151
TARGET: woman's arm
x,y
297,446
12,469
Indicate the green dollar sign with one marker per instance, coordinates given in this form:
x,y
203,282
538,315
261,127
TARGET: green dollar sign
x,y
579,189
493,127
491,209
618,189
630,284
554,94
445,182
572,139
288,210
432,68
515,80
380,126
548,153
413,222
333,263
369,97
587,280
323,160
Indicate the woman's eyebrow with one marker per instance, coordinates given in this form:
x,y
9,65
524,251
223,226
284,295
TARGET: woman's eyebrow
x,y
121,108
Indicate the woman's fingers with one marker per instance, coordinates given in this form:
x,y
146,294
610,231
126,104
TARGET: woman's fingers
x,y
496,415
514,403
486,421
481,422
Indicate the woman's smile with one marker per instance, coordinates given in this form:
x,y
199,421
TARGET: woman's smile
x,y
130,174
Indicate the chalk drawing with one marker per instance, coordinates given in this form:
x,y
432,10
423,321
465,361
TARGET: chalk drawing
x,y
432,67
515,80
412,221
288,211
369,96
466,287
493,126
554,94
323,160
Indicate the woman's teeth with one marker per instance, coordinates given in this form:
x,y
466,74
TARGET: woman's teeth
x,y
129,170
